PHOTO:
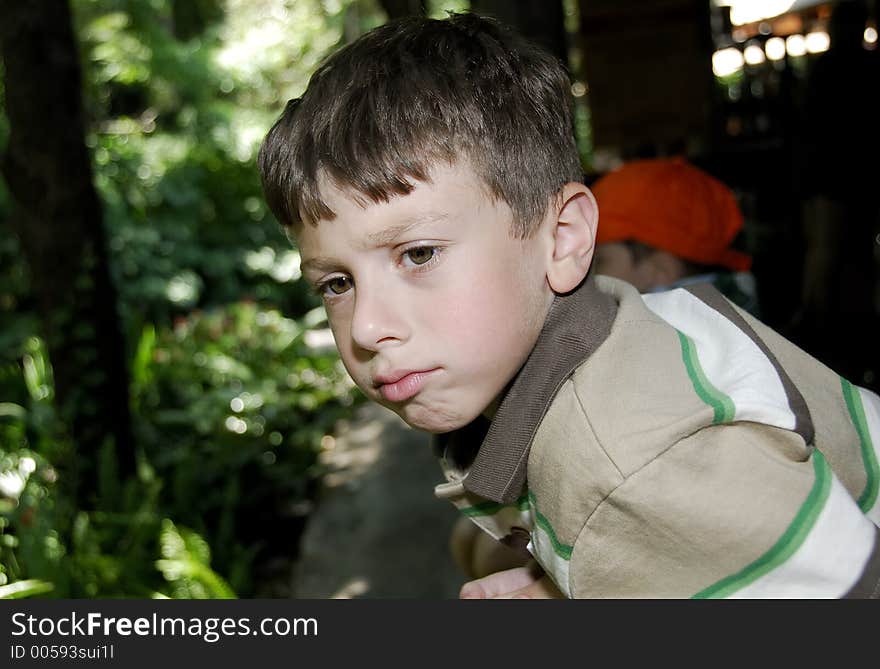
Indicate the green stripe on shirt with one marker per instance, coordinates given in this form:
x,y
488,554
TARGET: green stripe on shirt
x,y
869,457
790,541
491,508
562,550
721,404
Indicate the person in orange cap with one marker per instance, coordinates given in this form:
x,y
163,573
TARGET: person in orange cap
x,y
664,223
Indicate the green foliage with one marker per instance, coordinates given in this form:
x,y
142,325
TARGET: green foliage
x,y
439,9
230,403
234,405
42,536
173,155
185,564
175,125
49,547
231,406
22,589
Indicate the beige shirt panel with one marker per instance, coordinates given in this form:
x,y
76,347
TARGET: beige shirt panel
x,y
565,452
715,501
639,398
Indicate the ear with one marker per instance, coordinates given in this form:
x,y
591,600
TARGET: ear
x,y
574,236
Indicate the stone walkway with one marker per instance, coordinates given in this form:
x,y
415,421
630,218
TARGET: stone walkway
x,y
377,531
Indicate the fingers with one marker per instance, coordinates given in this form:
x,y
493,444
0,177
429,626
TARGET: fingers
x,y
499,583
543,588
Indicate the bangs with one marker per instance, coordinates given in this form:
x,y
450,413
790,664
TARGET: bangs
x,y
381,112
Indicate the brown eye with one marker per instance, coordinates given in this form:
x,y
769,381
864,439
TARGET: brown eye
x,y
338,285
421,254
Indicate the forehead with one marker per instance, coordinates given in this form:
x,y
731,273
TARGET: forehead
x,y
451,190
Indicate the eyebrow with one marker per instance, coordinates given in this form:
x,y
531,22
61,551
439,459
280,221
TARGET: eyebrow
x,y
390,234
380,238
318,264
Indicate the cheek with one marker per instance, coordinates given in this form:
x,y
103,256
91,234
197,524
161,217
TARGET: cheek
x,y
493,310
341,328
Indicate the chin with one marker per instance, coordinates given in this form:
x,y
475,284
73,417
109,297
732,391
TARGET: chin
x,y
433,420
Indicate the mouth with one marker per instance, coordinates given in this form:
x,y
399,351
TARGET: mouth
x,y
403,385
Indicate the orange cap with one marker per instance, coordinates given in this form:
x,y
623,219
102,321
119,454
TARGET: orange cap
x,y
669,204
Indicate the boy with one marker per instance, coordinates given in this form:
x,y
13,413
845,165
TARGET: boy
x,y
663,446
688,240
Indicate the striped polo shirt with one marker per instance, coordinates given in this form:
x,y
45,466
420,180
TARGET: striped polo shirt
x,y
670,445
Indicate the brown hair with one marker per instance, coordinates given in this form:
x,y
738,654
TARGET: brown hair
x,y
380,111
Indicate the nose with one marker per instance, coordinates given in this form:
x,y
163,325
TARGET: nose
x,y
378,318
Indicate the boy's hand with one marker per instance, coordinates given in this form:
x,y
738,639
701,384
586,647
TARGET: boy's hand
x,y
519,583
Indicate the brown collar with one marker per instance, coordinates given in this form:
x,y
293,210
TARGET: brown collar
x,y
576,325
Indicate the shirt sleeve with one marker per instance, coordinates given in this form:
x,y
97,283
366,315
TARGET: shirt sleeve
x,y
733,510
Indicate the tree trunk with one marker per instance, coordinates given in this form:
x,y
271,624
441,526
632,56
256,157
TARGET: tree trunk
x,y
57,216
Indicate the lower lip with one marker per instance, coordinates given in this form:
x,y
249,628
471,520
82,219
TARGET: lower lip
x,y
405,388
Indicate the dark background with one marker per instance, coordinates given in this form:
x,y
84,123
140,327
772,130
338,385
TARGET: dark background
x,y
796,138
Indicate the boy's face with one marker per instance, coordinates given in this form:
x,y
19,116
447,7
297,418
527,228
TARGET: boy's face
x,y
433,304
615,259
657,270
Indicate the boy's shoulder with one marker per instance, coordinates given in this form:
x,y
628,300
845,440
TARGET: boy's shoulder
x,y
630,375
676,362
611,368
690,353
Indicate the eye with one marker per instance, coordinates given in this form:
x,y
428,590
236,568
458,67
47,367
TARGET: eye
x,y
337,285
421,254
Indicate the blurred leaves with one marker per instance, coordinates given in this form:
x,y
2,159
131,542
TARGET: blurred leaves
x,y
185,564
230,402
26,588
175,129
231,408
